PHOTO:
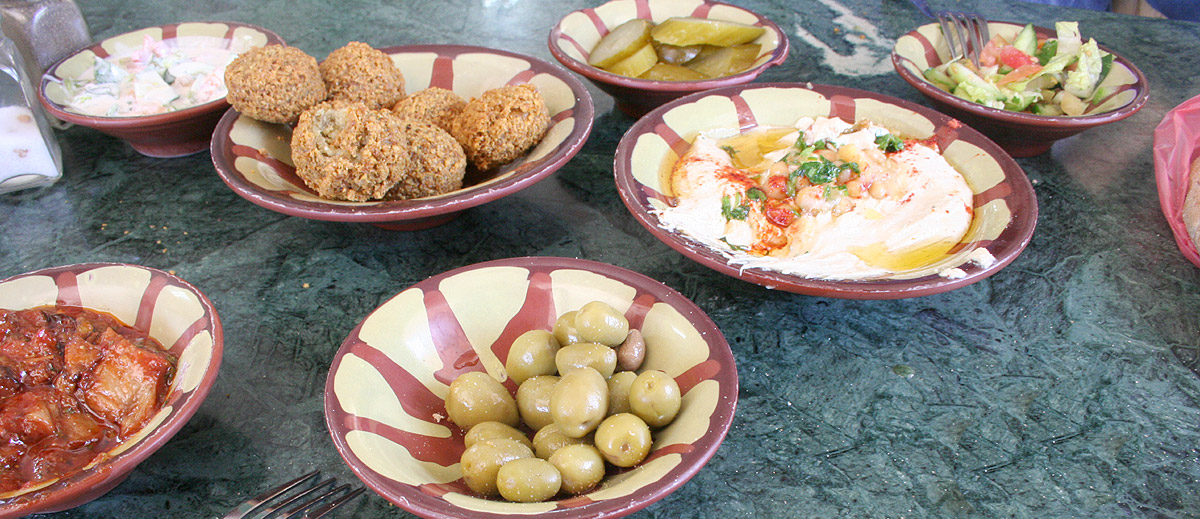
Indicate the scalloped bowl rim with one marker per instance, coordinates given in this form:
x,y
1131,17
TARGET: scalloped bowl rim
x,y
413,500
1008,116
77,486
404,210
628,187
777,56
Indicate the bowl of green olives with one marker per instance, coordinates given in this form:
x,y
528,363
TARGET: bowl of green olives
x,y
560,387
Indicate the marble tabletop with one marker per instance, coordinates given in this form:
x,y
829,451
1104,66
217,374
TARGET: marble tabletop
x,y
1067,385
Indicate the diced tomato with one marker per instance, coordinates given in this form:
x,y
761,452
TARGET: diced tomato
x,y
991,51
1015,58
1020,74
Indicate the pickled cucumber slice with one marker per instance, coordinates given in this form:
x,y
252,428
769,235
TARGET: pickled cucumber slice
x,y
725,61
636,64
621,43
670,72
676,55
683,31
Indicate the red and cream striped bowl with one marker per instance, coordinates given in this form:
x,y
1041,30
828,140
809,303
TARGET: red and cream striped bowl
x,y
1021,134
1005,207
384,398
254,158
573,38
173,312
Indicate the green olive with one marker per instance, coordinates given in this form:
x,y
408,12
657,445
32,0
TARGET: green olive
x,y
618,391
482,461
532,354
655,398
484,431
579,401
581,467
533,401
476,397
564,329
590,354
623,439
600,322
528,480
550,438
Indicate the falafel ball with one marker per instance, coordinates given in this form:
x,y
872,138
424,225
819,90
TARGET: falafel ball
x,y
347,151
358,72
438,162
433,105
274,83
501,125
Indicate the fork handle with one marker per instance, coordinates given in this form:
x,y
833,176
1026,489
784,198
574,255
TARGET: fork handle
x,y
922,6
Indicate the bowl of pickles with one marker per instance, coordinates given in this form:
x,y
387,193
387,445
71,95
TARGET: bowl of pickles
x,y
645,53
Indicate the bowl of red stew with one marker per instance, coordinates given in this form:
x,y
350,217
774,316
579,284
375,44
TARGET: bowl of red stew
x,y
100,365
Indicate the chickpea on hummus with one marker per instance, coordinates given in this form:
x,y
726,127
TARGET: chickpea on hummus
x,y
824,199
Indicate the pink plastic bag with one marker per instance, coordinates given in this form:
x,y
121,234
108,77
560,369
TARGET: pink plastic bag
x,y
1176,145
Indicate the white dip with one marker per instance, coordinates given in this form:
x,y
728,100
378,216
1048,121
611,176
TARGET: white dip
x,y
848,211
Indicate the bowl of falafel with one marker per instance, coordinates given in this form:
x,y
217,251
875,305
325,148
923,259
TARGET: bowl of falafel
x,y
403,137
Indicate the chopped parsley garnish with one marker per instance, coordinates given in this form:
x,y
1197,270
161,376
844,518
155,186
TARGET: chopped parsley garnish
x,y
889,143
734,247
755,193
734,208
821,171
730,150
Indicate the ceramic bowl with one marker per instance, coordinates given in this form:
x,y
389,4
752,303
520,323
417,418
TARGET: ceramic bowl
x,y
384,398
175,313
254,158
1005,207
1176,149
1020,134
578,32
171,134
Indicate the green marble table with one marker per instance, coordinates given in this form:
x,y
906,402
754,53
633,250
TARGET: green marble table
x,y
1067,385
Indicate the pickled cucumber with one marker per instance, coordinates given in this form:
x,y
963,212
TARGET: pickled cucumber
x,y
669,72
638,63
627,39
683,31
724,61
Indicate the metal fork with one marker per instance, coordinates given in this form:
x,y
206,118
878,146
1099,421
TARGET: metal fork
x,y
966,33
297,499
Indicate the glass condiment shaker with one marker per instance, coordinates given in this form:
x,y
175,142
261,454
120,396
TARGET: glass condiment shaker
x,y
45,31
29,154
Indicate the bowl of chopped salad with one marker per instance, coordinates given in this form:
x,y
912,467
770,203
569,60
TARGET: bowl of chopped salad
x,y
162,89
1032,87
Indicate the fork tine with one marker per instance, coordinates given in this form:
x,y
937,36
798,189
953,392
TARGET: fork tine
x,y
322,511
320,505
245,509
950,33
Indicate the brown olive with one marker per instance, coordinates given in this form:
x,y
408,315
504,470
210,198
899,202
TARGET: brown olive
x,y
484,431
632,352
482,461
599,322
589,354
528,480
675,54
655,398
618,391
579,401
564,329
550,438
532,354
581,467
623,439
476,397
533,401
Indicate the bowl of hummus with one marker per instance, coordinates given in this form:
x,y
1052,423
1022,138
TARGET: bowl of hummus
x,y
825,190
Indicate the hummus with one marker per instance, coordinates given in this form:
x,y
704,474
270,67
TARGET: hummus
x,y
825,199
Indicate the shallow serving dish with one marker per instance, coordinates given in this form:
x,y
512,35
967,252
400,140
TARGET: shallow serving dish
x,y
254,158
171,134
1020,134
175,313
572,39
1005,206
384,398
